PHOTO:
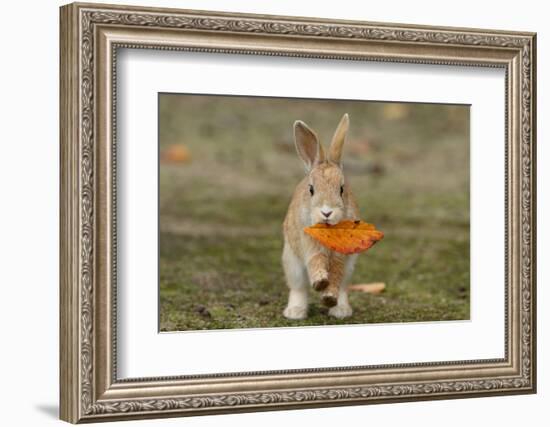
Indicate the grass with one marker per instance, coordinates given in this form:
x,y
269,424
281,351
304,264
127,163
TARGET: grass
x,y
221,212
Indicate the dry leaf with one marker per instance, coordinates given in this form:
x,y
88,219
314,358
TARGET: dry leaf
x,y
175,153
346,237
369,288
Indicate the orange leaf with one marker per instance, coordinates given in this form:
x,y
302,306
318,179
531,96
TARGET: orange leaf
x,y
175,153
369,288
346,237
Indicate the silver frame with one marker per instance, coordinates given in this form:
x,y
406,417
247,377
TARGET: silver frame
x,y
90,37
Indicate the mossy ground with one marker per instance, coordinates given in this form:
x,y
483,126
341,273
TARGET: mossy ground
x,y
221,213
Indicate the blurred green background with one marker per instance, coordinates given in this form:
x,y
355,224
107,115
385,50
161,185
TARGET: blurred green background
x,y
228,168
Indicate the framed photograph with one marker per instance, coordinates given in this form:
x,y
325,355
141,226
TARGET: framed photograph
x,y
266,212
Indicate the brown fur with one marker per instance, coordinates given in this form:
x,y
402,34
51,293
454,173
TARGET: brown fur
x,y
325,269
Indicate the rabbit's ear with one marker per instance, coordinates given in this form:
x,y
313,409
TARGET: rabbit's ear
x,y
335,150
308,146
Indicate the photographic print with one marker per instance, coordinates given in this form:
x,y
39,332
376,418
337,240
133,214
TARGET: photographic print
x,y
281,212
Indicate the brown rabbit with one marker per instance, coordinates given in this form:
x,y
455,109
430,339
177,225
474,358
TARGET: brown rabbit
x,y
323,196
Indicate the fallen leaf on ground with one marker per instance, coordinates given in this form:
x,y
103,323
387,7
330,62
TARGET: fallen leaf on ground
x,y
347,237
175,153
369,288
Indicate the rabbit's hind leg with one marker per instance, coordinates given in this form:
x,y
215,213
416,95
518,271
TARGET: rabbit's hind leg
x,y
297,282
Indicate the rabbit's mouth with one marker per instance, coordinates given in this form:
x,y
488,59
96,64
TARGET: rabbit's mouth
x,y
329,222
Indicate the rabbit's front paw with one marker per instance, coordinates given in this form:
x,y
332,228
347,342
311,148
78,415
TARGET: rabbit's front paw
x,y
320,284
320,281
296,312
341,311
329,299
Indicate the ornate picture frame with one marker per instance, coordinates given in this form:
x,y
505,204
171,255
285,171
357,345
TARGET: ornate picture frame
x,y
90,37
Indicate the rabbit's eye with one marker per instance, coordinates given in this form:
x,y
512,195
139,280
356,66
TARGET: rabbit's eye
x,y
341,190
311,191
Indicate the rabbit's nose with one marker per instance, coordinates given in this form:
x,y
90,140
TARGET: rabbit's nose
x,y
326,214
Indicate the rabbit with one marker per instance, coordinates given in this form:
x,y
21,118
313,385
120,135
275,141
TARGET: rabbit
x,y
323,196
